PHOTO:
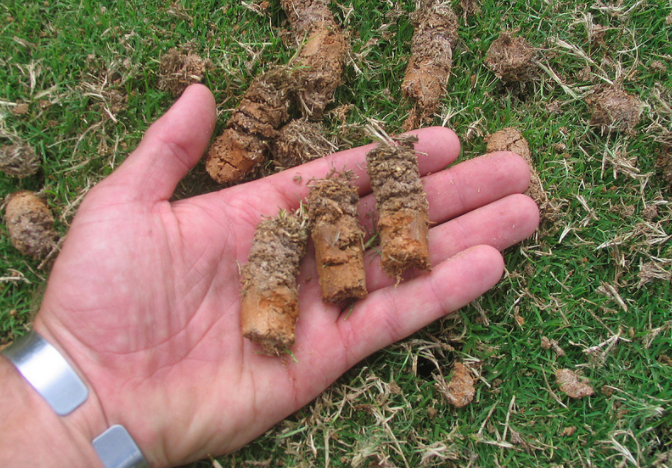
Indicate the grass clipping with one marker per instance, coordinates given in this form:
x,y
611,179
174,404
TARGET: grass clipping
x,y
401,202
270,297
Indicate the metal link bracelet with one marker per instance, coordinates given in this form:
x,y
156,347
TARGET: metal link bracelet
x,y
50,374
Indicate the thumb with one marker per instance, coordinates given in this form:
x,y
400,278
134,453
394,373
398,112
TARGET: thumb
x,y
170,148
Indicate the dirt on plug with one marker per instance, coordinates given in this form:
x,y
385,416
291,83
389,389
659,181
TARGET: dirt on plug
x,y
299,142
428,69
460,391
614,110
179,68
30,224
321,56
244,144
338,238
572,385
19,160
270,297
511,58
401,203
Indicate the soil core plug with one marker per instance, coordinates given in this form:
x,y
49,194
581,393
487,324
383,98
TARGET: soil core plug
x,y
338,238
244,144
19,160
431,59
321,57
511,58
401,202
270,297
614,110
298,142
30,224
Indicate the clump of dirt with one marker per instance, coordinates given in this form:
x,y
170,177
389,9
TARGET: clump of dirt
x,y
572,385
511,58
431,59
321,57
552,344
338,238
19,160
298,142
270,297
664,163
255,122
401,203
614,110
30,224
460,390
511,139
179,68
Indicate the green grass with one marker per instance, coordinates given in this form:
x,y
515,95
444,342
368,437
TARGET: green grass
x,y
578,281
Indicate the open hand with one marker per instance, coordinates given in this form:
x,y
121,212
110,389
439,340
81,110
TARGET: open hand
x,y
144,297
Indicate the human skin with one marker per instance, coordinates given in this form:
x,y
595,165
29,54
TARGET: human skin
x,y
144,297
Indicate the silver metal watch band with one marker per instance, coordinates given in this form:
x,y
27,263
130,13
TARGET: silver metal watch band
x,y
48,372
117,449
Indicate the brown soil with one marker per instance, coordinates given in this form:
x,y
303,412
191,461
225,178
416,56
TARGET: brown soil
x,y
431,59
180,68
511,58
30,224
268,281
298,142
322,56
664,163
19,160
510,139
614,110
245,143
571,385
338,238
401,202
460,390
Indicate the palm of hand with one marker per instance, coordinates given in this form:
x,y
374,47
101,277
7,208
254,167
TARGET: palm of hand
x,y
145,295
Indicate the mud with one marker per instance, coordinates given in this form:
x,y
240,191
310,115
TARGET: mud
x,y
428,69
511,58
401,203
19,160
270,295
614,110
180,68
299,142
255,122
572,385
30,224
338,238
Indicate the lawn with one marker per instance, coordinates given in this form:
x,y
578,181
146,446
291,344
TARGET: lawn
x,y
595,278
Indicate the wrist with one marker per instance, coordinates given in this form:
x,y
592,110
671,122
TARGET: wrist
x,y
32,434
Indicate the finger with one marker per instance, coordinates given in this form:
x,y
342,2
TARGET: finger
x,y
395,312
170,147
500,224
437,148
